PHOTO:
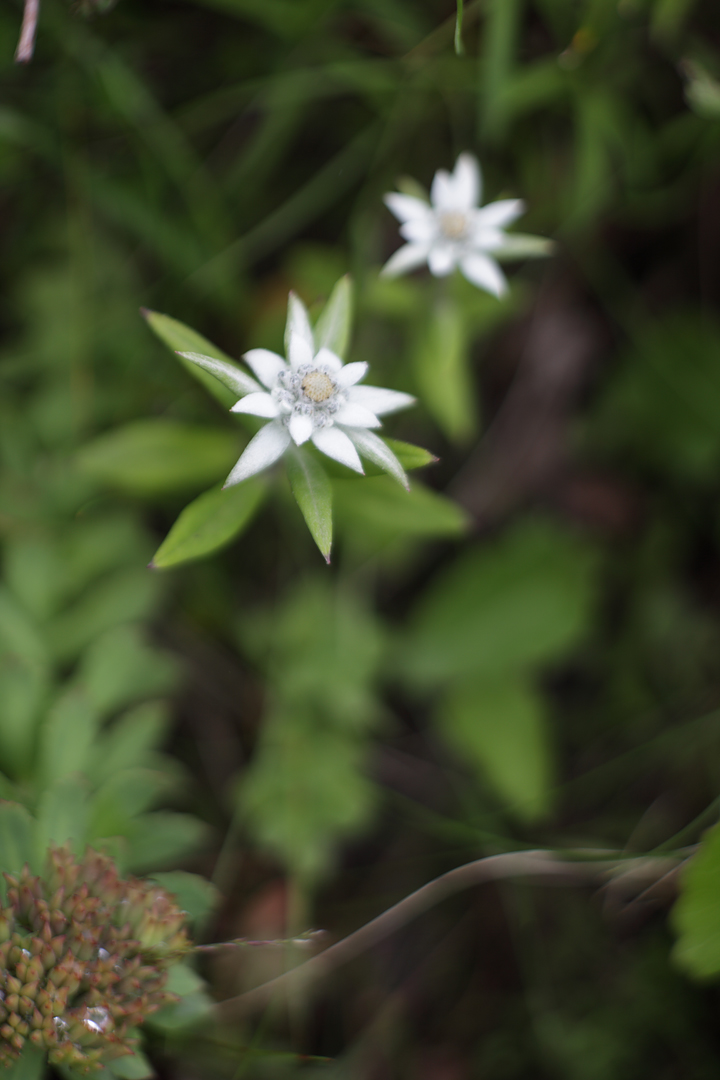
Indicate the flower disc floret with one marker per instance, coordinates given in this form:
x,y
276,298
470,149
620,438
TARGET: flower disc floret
x,y
84,958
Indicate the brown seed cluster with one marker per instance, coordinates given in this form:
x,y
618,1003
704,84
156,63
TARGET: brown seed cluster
x,y
84,957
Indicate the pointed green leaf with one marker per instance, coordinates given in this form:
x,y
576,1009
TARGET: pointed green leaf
x,y
313,494
181,338
499,729
211,521
332,330
148,457
524,246
62,816
132,1067
696,915
229,375
194,894
411,456
17,838
31,1065
379,453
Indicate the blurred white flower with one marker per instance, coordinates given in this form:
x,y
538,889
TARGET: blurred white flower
x,y
312,397
453,230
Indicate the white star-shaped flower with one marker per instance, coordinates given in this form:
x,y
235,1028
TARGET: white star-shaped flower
x,y
311,396
453,230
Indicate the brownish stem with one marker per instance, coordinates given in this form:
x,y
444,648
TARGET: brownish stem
x,y
26,44
539,865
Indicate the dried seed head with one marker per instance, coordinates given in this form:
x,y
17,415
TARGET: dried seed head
x,y
84,957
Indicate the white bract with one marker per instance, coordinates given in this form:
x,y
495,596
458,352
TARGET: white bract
x,y
310,397
452,230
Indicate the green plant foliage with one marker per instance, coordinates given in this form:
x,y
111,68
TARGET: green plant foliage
x,y
153,456
504,608
501,730
313,494
695,916
214,519
306,789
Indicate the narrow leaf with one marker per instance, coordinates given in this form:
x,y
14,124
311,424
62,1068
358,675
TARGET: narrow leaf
x,y
313,494
696,915
17,838
333,326
374,449
132,1067
181,338
211,521
524,246
411,456
500,729
230,375
148,457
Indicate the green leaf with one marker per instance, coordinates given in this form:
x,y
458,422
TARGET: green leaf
x,y
696,914
442,371
125,596
377,512
194,894
373,448
182,980
332,330
524,246
119,668
499,728
502,607
150,457
214,519
190,1010
133,1066
129,741
411,456
124,796
62,816
17,839
306,789
181,338
31,1065
163,838
230,375
66,736
313,493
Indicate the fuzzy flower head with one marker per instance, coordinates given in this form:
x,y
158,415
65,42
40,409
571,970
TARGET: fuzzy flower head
x,y
453,230
311,396
84,957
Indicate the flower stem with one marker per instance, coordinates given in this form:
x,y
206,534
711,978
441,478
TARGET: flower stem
x,y
459,47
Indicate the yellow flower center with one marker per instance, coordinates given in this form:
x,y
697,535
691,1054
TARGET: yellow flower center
x,y
318,386
453,224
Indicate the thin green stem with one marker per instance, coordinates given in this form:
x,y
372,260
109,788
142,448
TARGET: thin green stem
x,y
459,47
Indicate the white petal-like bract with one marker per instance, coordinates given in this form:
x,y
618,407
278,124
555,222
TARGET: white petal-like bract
x,y
485,273
336,444
379,400
257,405
406,258
355,415
350,374
300,428
263,450
266,365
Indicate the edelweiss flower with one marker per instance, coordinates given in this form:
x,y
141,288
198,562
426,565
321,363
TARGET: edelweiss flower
x,y
313,397
452,230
